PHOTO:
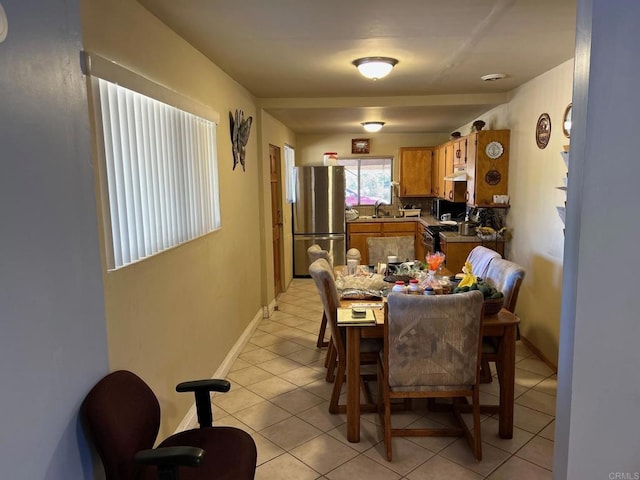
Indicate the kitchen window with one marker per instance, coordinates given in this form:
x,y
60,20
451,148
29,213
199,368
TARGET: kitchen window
x,y
157,164
367,180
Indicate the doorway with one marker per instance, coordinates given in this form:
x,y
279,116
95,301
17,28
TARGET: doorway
x,y
276,216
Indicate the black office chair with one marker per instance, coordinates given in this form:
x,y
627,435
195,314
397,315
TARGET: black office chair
x,y
122,416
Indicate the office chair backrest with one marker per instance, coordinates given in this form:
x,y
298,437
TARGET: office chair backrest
x,y
123,416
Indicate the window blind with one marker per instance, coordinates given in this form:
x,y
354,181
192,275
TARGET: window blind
x,y
160,173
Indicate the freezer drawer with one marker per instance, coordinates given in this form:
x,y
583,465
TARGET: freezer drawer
x,y
334,243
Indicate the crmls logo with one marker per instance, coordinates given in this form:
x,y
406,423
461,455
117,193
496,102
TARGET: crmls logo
x,y
624,476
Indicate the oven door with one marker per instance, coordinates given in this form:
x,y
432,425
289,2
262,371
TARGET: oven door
x,y
428,241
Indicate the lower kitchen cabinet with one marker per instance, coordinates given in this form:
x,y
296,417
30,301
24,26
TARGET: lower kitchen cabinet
x,y
456,252
357,234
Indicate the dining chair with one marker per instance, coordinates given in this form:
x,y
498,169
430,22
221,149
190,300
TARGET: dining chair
x,y
379,248
322,275
122,417
506,277
480,257
432,350
315,252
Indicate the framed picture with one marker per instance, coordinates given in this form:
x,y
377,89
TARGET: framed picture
x,y
543,130
360,145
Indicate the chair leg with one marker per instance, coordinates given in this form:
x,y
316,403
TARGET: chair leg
x,y
323,328
384,409
337,388
330,362
485,372
477,439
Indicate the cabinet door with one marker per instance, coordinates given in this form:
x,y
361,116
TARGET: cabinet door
x,y
421,251
460,152
359,241
487,176
441,171
416,170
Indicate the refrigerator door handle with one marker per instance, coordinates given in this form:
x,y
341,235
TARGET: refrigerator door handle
x,y
319,237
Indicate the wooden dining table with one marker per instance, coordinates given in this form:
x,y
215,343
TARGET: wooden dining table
x,y
502,326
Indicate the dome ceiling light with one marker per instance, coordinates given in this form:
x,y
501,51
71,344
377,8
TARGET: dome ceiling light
x,y
492,77
375,67
372,127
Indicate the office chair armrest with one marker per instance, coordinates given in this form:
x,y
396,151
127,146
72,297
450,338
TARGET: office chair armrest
x,y
171,456
202,389
211,385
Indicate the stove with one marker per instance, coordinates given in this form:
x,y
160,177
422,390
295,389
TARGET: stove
x,y
431,236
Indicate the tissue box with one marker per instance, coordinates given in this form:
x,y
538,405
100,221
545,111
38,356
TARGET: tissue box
x,y
410,212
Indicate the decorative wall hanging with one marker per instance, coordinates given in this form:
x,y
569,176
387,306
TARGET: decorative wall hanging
x,y
240,129
360,145
543,130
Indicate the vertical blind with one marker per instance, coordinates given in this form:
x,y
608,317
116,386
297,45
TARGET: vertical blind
x,y
162,174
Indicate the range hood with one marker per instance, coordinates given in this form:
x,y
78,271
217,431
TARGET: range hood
x,y
457,176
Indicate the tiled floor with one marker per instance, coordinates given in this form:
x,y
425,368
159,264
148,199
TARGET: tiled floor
x,y
280,396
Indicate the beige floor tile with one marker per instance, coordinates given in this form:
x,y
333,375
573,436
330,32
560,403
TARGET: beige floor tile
x,y
548,385
279,365
290,433
309,340
239,364
549,432
533,364
527,379
530,420
284,347
272,387
370,435
406,455
297,400
307,355
324,453
319,417
517,468
319,387
285,467
460,453
290,333
237,399
258,356
539,401
249,347
490,435
262,415
269,326
263,339
290,320
249,376
303,376
493,388
362,468
267,450
539,451
439,468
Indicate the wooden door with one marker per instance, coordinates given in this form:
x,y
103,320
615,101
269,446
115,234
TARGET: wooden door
x,y
276,216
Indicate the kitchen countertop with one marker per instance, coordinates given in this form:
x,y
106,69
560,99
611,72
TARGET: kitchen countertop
x,y
454,237
424,219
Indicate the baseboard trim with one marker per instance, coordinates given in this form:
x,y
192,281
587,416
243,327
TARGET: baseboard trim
x,y
191,419
539,354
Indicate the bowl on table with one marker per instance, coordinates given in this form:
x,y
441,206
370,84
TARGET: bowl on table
x,y
493,305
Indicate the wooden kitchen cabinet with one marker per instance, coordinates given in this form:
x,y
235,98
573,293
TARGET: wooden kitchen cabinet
x,y
460,152
416,172
421,250
440,169
487,167
456,253
357,234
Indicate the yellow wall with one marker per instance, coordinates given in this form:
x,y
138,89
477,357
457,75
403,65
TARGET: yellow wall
x,y
534,174
175,316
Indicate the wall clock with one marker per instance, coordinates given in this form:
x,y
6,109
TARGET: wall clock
x,y
360,145
543,130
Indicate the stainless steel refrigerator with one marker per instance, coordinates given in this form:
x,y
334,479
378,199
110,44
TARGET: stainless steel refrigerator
x,y
318,215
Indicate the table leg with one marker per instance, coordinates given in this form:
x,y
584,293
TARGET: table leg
x,y
507,382
353,384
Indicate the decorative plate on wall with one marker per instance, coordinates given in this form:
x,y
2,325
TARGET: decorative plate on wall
x,y
543,130
494,150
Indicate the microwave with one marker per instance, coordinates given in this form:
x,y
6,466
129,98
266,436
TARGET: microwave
x,y
440,206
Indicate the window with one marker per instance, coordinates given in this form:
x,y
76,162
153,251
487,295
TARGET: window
x,y
290,173
158,173
367,180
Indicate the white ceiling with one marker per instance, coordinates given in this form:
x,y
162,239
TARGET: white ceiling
x,y
295,55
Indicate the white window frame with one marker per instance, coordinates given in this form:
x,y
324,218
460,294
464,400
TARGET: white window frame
x,y
364,160
158,170
290,173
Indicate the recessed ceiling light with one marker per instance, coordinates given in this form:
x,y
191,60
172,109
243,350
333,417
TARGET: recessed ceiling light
x,y
372,126
375,67
492,77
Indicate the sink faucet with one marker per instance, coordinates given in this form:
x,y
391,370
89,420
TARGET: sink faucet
x,y
377,206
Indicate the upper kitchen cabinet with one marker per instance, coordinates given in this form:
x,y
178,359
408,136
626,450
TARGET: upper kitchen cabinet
x,y
440,170
459,152
487,167
416,172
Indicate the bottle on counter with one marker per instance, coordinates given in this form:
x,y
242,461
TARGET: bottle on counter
x,y
429,291
399,287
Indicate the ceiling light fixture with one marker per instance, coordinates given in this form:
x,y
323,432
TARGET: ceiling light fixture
x,y
492,77
375,67
372,127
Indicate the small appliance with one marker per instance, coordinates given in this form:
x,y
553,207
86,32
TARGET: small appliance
x,y
440,207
